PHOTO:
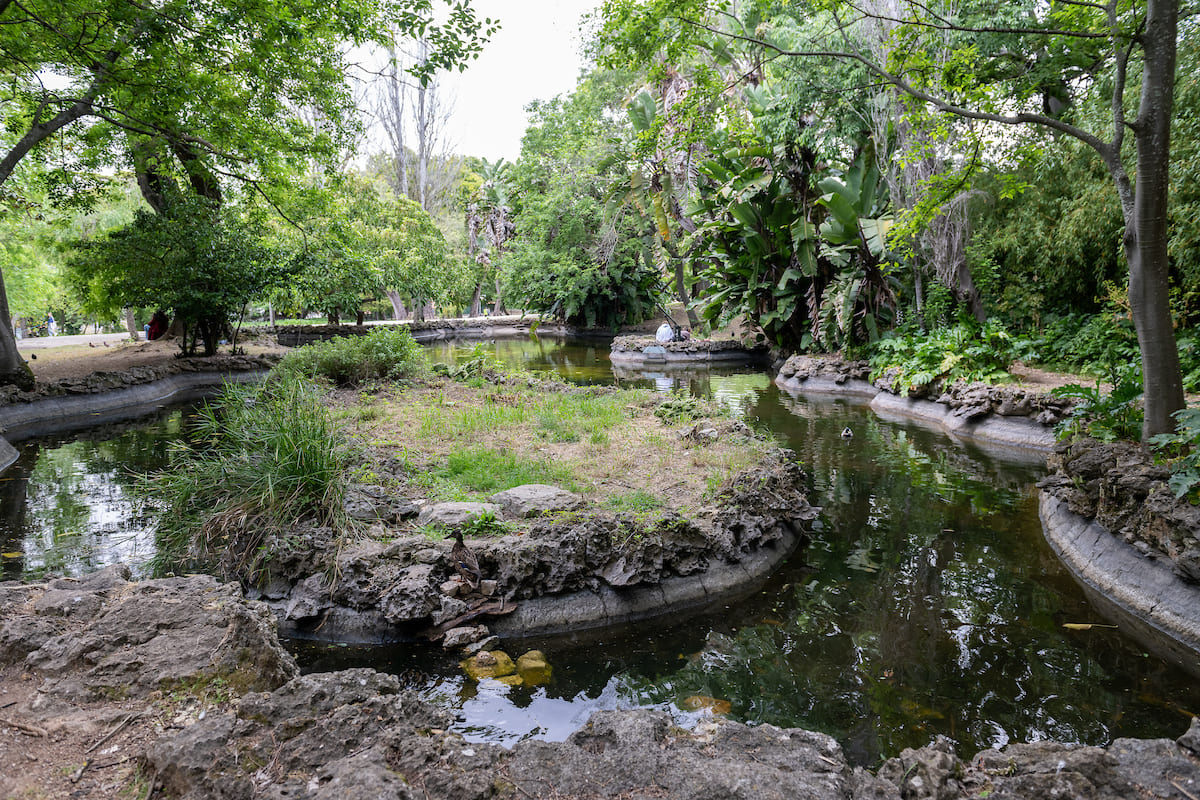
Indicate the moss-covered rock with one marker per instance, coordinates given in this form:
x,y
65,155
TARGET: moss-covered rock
x,y
489,664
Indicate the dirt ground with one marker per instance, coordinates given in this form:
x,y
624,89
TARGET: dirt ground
x,y
76,361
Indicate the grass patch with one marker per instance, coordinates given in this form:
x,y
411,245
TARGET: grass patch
x,y
637,501
456,442
480,470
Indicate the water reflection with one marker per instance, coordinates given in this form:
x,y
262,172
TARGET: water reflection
x,y
68,506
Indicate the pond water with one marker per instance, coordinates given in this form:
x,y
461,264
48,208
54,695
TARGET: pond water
x,y
927,603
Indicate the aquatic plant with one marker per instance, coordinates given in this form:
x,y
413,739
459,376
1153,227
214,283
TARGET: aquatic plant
x,y
263,458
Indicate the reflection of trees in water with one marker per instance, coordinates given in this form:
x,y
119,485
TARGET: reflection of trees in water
x,y
14,485
71,505
928,604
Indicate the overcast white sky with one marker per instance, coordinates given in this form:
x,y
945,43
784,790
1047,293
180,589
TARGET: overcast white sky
x,y
535,56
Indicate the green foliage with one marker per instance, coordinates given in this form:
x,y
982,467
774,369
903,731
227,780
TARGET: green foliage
x,y
637,501
568,260
485,523
263,458
1181,451
384,353
682,407
800,254
1107,417
201,262
1093,344
965,352
481,470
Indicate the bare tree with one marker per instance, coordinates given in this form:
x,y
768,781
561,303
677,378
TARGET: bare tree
x,y
414,118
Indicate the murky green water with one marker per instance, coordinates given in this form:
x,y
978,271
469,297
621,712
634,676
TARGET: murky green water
x,y
927,602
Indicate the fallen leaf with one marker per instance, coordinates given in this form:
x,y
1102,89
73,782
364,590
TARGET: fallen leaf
x,y
1085,626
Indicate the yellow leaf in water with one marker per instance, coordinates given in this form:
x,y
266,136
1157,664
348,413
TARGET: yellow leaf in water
x,y
1085,626
11,555
699,702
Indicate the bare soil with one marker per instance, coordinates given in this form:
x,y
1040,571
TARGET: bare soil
x,y
50,364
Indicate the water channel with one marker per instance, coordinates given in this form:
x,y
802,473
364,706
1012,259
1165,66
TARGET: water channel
x,y
927,603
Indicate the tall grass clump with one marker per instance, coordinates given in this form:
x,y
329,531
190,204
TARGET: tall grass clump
x,y
386,353
262,459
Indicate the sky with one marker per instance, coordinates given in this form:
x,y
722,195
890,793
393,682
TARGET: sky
x,y
535,56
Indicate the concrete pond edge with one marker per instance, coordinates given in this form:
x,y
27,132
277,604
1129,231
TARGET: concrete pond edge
x,y
57,414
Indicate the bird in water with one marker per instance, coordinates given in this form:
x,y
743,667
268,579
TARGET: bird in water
x,y
465,563
847,433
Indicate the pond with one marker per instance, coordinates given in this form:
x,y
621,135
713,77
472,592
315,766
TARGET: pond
x,y
927,603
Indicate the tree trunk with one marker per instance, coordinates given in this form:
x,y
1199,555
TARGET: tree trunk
x,y
498,309
13,368
476,300
131,323
1146,228
399,312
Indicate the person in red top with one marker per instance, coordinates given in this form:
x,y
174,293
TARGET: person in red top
x,y
158,325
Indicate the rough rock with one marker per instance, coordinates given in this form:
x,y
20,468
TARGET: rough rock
x,y
157,634
1119,485
489,664
535,500
467,635
533,668
453,515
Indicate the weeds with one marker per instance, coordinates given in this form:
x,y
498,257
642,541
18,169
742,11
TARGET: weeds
x,y
965,352
1181,452
263,458
1107,417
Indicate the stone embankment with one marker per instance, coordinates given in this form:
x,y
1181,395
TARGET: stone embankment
x,y
570,569
498,327
1134,547
72,403
647,351
1004,416
179,688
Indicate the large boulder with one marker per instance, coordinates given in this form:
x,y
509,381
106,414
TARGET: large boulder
x,y
130,639
535,500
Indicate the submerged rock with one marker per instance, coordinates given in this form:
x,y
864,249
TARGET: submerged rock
x,y
533,668
489,664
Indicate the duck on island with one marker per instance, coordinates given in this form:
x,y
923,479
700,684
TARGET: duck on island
x,y
465,562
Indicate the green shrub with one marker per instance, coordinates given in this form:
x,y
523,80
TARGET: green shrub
x,y
386,353
262,459
965,352
1107,417
1181,452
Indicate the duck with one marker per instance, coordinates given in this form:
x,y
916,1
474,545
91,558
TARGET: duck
x,y
847,433
465,562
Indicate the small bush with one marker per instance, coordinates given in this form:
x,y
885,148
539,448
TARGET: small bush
x,y
386,353
965,352
1181,452
1107,417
